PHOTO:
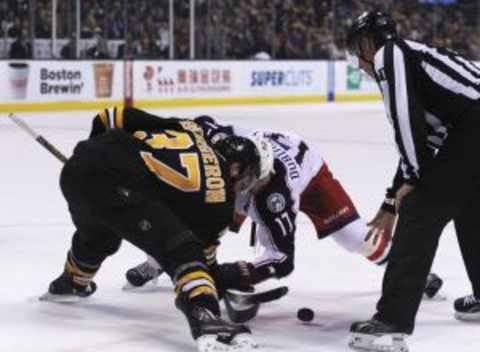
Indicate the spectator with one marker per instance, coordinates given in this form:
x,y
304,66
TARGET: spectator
x,y
318,47
69,50
296,45
43,22
20,49
100,50
148,49
127,50
116,22
90,26
15,29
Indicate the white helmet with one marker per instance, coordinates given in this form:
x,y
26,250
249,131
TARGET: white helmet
x,y
265,152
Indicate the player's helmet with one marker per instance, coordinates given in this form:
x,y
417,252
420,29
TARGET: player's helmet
x,y
266,153
378,25
243,151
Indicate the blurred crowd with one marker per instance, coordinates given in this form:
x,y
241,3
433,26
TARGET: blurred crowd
x,y
227,29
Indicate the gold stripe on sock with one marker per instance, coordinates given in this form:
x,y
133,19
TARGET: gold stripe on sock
x,y
195,275
202,290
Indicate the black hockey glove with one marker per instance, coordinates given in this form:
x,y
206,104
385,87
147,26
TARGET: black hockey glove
x,y
236,276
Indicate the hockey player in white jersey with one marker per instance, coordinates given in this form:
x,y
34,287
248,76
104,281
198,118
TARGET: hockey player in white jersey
x,y
294,178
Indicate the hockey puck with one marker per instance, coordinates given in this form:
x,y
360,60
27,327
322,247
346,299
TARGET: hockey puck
x,y
305,314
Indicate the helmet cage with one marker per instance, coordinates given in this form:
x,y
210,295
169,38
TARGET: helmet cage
x,y
244,152
378,25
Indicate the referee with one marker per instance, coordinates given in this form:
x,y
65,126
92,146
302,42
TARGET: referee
x,y
432,100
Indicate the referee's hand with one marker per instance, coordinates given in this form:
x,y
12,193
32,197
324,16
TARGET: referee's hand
x,y
383,222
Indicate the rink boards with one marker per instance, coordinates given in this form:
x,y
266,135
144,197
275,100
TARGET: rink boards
x,y
70,85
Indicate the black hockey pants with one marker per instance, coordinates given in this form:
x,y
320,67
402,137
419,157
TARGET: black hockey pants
x,y
112,196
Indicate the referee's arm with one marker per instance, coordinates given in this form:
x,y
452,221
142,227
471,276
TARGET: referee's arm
x,y
405,109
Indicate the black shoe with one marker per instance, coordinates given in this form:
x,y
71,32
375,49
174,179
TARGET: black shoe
x,y
376,327
467,308
141,274
367,336
203,321
433,285
64,289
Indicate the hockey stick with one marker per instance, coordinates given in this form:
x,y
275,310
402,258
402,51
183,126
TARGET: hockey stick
x,y
242,307
253,232
257,298
39,138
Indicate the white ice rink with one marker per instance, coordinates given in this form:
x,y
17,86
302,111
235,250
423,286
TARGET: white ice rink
x,y
35,232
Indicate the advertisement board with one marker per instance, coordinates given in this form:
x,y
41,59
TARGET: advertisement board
x,y
61,85
353,84
163,80
61,81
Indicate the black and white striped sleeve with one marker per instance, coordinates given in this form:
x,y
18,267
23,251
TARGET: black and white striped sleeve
x,y
404,107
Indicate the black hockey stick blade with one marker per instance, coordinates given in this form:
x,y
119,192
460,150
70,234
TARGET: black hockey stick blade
x,y
240,312
257,298
242,307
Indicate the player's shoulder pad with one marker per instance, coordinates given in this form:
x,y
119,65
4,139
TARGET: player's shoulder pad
x,y
276,195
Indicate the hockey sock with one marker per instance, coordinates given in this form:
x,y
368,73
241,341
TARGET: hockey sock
x,y
195,282
81,273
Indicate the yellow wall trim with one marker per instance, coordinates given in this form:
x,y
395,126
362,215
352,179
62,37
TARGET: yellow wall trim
x,y
181,102
58,106
359,97
188,102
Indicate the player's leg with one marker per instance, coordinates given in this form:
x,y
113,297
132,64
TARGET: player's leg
x,y
467,226
415,241
139,275
154,228
333,214
150,270
115,188
442,194
414,245
92,243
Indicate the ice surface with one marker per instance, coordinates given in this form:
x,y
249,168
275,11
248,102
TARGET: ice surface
x,y
35,232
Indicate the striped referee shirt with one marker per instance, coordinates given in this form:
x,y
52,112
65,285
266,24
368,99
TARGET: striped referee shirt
x,y
425,90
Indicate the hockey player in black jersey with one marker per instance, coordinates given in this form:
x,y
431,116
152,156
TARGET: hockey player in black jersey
x,y
160,185
432,99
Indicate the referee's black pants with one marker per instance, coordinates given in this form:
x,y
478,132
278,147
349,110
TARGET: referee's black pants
x,y
449,190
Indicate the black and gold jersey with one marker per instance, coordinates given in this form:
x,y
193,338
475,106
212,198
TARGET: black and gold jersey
x,y
192,180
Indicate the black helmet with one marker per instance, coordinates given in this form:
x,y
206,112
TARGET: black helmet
x,y
242,150
380,26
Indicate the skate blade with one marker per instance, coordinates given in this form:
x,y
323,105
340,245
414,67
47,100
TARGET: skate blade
x,y
240,343
470,317
148,286
437,298
373,343
64,299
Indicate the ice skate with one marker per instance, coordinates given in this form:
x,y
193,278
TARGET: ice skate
x,y
139,275
64,290
467,308
212,333
432,288
376,336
